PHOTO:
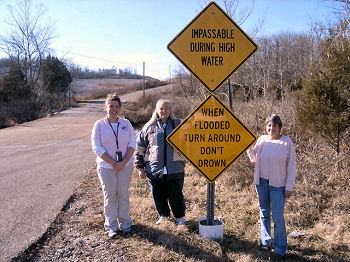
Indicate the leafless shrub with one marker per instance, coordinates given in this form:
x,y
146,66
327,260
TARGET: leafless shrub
x,y
140,111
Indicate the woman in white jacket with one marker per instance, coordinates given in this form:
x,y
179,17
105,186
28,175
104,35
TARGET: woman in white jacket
x,y
274,177
113,142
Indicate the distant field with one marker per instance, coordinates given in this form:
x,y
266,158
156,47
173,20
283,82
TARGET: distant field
x,y
85,86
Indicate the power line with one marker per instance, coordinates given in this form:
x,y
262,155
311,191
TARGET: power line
x,y
99,58
117,63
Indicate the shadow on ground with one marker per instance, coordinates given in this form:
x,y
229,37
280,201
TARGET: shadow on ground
x,y
229,244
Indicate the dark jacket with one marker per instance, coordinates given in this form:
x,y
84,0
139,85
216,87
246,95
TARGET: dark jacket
x,y
154,152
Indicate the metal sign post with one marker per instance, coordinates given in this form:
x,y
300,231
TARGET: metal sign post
x,y
210,203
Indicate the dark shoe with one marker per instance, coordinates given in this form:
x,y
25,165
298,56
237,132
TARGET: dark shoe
x,y
276,257
266,248
125,231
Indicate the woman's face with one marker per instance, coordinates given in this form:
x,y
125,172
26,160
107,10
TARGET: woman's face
x,y
163,111
113,108
273,130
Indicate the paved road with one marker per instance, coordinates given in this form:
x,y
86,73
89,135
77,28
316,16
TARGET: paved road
x,y
42,161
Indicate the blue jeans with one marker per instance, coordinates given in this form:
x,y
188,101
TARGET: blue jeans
x,y
272,198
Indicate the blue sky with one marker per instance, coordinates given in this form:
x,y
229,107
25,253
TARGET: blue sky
x,y
126,33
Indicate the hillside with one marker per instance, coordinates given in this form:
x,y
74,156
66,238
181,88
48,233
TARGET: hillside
x,y
87,86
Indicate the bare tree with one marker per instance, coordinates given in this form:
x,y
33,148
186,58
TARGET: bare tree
x,y
240,13
281,62
341,8
344,10
28,43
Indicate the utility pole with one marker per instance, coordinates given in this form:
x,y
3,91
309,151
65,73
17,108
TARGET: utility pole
x,y
143,82
170,73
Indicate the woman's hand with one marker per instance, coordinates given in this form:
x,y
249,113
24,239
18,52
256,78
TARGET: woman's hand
x,y
142,173
119,166
287,193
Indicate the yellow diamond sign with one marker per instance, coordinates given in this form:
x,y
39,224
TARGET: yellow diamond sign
x,y
211,138
212,47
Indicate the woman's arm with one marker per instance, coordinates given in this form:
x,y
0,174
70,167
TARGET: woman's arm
x,y
107,158
291,169
252,151
129,151
141,146
96,144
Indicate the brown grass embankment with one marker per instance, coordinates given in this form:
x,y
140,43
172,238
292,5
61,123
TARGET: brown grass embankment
x,y
104,88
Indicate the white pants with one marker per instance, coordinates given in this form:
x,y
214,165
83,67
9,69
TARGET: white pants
x,y
115,187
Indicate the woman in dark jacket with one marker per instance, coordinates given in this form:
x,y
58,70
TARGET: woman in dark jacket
x,y
161,164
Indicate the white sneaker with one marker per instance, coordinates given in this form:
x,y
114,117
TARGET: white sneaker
x,y
161,220
112,234
180,221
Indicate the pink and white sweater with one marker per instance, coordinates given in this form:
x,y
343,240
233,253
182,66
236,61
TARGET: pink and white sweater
x,y
276,162
103,140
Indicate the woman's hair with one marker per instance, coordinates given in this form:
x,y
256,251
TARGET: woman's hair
x,y
155,115
113,97
274,119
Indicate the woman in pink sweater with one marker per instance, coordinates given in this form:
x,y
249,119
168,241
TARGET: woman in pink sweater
x,y
274,177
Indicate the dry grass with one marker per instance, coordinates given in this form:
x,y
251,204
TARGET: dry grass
x,y
104,88
319,206
78,235
140,111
